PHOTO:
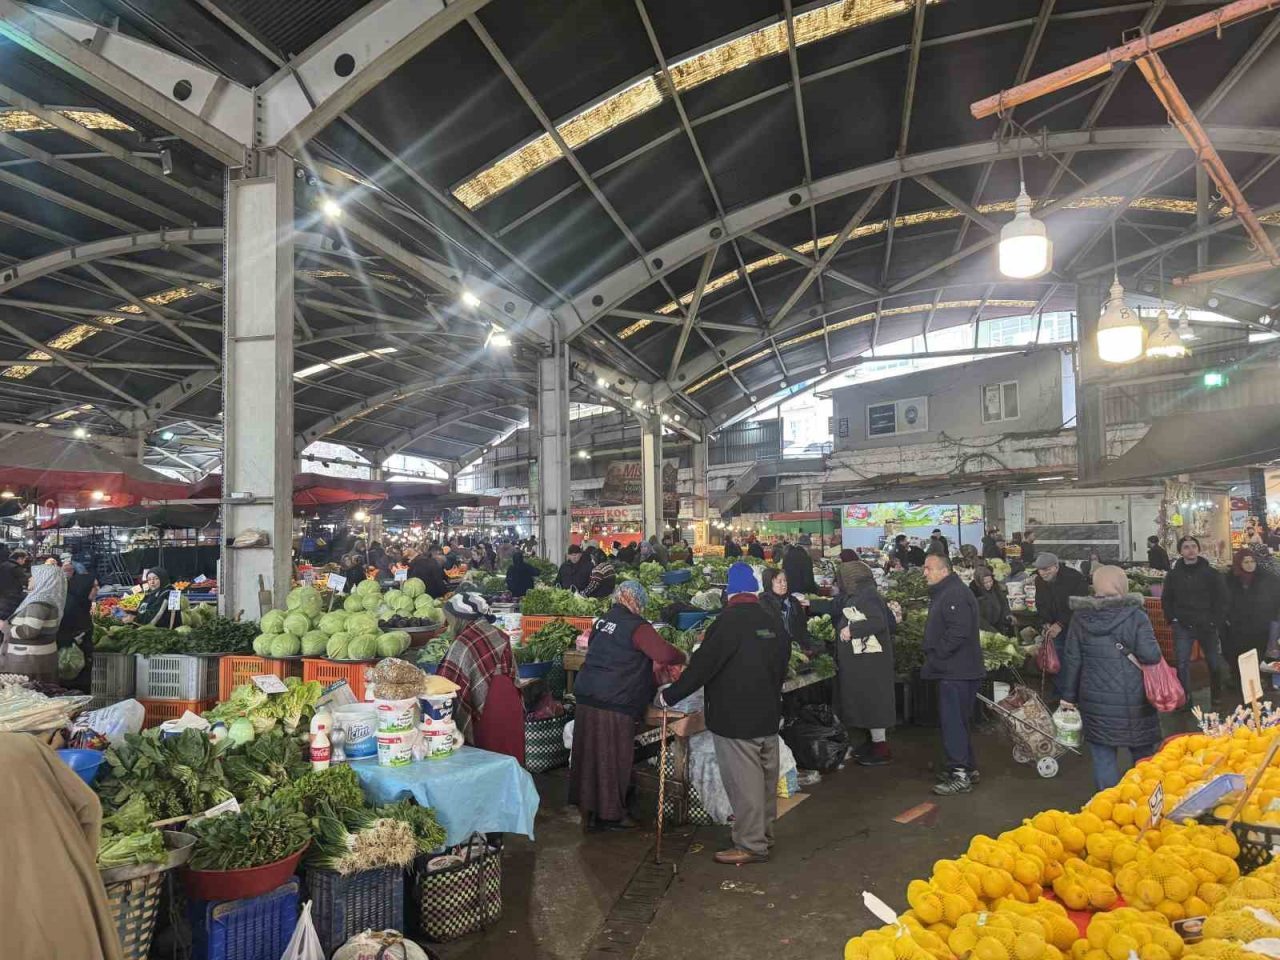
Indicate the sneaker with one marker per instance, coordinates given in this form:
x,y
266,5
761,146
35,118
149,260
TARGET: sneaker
x,y
877,756
737,858
958,782
975,777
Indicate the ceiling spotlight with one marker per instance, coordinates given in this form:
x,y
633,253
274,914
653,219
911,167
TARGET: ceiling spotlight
x,y
81,433
783,384
1120,331
7,494
1164,342
584,455
1184,326
470,299
1025,248
498,338
331,208
753,398
822,369
167,435
676,417
166,162
97,495
601,382
1212,303
360,516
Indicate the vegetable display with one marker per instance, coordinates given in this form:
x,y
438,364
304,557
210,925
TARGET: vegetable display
x,y
176,776
556,602
822,629
265,712
337,785
263,832
362,840
129,839
221,635
547,643
257,769
649,573
422,820
999,651
909,586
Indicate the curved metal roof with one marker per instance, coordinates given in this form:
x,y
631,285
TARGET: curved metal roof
x,y
717,198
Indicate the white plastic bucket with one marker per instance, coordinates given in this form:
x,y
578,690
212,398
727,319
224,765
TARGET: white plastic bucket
x,y
396,716
439,739
359,722
437,706
396,749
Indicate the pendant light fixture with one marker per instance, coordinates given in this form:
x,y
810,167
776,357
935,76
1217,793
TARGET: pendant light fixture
x,y
1164,343
1184,326
1120,332
1025,250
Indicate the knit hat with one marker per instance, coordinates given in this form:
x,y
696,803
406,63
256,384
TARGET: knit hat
x,y
469,605
741,579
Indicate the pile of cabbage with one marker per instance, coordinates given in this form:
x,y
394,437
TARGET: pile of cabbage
x,y
306,628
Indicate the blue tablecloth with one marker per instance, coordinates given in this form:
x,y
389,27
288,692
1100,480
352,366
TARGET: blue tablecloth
x,y
471,791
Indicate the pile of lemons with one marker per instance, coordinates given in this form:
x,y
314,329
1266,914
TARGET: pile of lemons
x,y
1115,935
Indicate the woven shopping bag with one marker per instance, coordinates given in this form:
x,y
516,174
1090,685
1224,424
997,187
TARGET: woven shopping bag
x,y
544,747
464,898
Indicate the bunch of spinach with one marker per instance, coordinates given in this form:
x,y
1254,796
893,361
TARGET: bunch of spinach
x,y
178,776
337,786
263,832
547,643
222,635
265,764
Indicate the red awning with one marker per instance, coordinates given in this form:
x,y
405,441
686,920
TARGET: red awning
x,y
309,489
70,471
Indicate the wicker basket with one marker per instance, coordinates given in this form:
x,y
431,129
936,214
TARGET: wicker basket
x,y
133,895
344,906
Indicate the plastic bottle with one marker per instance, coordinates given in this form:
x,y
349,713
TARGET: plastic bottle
x,y
321,724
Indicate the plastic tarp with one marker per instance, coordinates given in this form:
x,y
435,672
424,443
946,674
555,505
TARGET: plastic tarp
x,y
309,489
70,470
1202,441
169,516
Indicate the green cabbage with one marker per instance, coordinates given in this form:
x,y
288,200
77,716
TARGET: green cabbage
x,y
391,597
401,640
331,623
363,647
372,601
262,644
272,622
353,603
367,587
413,587
336,648
314,643
305,600
240,731
361,623
285,645
297,623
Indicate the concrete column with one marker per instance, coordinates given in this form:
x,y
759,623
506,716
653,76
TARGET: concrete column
x,y
375,519
699,460
651,501
257,384
1091,429
550,482
1257,493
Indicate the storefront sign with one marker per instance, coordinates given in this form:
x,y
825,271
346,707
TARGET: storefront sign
x,y
623,484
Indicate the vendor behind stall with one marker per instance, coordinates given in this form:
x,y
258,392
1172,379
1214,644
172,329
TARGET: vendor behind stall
x,y
489,710
154,608
30,645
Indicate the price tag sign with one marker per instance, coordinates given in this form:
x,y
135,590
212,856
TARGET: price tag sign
x,y
308,577
226,806
1156,805
1250,677
201,579
269,683
337,582
175,600
402,576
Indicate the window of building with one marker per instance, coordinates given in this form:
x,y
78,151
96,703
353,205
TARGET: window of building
x,y
1000,401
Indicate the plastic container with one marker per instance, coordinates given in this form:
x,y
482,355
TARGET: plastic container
x,y
534,671
396,749
672,577
329,672
397,716
687,621
176,676
531,625
439,739
234,670
1067,725
257,928
240,884
113,677
86,763
359,723
437,707
158,711
1207,797
344,906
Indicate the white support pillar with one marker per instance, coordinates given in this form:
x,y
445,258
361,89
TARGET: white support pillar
x,y
257,384
550,482
651,501
699,460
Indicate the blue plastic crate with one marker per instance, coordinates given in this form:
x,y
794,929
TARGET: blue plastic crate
x,y
687,621
258,928
344,906
672,577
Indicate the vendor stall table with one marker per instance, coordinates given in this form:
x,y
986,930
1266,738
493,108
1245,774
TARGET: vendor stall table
x,y
472,791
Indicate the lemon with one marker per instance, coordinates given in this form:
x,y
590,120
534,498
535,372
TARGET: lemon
x,y
1120,946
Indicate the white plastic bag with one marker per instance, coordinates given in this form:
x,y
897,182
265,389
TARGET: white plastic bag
x,y
304,944
115,721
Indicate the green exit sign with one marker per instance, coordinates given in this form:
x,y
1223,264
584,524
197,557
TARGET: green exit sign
x,y
1213,378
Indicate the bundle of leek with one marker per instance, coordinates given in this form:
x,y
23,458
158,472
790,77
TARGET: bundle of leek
x,y
362,841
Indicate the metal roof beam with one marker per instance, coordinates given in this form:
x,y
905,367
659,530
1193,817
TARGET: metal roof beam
x,y
806,261
14,276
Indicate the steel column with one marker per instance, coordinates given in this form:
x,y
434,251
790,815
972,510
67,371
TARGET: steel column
x,y
552,489
1091,429
651,476
257,384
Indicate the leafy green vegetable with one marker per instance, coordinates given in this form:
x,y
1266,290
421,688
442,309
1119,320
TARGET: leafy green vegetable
x,y
822,629
908,586
70,662
337,785
999,651
258,768
128,849
823,665
555,602
799,661
547,643
176,776
908,642
221,635
426,828
263,832
650,572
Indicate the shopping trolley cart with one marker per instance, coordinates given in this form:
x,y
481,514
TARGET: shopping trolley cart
x,y
1029,724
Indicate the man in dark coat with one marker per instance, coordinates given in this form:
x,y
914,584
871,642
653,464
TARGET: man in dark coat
x,y
755,548
575,572
953,657
864,661
915,556
1157,556
1056,584
731,549
521,575
429,568
1194,601
991,545
938,544
901,552
1098,678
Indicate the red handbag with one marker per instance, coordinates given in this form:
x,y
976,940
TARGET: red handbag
x,y
1047,656
1159,681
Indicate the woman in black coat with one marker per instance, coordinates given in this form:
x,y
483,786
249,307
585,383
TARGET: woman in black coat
x,y
993,605
521,576
798,566
791,614
1098,678
864,661
1253,601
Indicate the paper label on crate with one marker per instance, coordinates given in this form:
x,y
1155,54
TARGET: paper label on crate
x,y
175,600
401,576
1250,679
269,683
226,806
308,577
337,582
1156,804
201,579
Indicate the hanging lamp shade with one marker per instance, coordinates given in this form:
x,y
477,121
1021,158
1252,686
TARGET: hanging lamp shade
x,y
1025,248
1120,332
1184,327
1164,342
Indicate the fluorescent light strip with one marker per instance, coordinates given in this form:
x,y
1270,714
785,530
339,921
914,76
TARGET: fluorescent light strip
x,y
338,362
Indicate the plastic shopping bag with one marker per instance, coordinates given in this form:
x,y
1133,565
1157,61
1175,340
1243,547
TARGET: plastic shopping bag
x,y
1047,656
304,944
1164,690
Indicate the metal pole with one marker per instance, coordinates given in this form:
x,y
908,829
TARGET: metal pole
x,y
662,787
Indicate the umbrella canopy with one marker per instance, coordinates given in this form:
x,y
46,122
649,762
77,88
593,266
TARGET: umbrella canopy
x,y
309,489
70,471
168,516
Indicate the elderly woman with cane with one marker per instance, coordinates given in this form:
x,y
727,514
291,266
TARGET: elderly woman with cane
x,y
612,689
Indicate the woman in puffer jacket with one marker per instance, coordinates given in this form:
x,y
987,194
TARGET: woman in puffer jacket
x,y
1102,682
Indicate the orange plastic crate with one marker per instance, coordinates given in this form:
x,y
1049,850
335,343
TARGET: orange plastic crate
x,y
530,625
235,670
158,711
1164,632
326,672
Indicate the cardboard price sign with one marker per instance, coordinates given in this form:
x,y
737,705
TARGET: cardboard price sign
x,y
1156,805
269,683
175,600
337,583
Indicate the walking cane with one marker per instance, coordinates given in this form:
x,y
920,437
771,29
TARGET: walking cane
x,y
662,785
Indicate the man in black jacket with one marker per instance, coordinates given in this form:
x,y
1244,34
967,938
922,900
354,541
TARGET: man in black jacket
x,y
741,666
1194,601
1055,586
428,567
1157,556
575,572
953,657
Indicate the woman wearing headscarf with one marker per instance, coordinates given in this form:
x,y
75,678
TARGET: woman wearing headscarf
x,y
1253,601
52,902
798,566
154,608
1098,678
792,615
612,689
864,661
31,645
489,709
76,626
993,605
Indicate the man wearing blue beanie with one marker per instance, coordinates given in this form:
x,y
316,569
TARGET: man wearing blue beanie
x,y
741,666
